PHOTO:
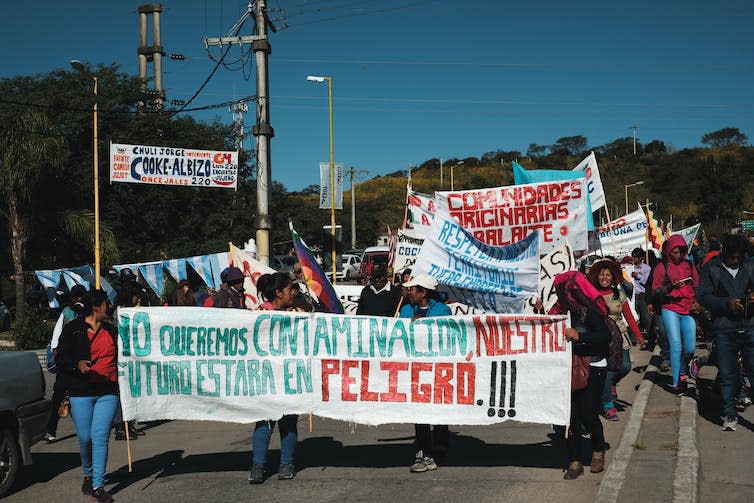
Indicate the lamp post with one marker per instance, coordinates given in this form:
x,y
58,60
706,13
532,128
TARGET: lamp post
x,y
79,67
313,78
640,182
451,174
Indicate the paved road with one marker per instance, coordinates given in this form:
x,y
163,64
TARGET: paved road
x,y
185,461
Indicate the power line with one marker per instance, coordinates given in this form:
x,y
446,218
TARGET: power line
x,y
111,111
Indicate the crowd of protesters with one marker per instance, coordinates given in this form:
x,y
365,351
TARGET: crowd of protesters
x,y
641,301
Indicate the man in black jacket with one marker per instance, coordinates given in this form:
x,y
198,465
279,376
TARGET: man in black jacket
x,y
380,298
726,287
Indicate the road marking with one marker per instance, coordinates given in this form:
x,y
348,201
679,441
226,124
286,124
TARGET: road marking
x,y
685,484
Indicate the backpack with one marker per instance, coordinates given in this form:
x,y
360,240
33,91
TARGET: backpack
x,y
615,353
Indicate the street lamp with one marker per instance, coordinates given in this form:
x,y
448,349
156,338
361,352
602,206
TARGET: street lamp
x,y
79,67
451,173
640,182
313,78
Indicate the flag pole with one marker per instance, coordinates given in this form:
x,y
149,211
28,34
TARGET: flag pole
x,y
128,446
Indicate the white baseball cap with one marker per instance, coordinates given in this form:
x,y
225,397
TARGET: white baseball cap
x,y
423,280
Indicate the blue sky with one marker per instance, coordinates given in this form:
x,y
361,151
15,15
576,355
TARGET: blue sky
x,y
420,79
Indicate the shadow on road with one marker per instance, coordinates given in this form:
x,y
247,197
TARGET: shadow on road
x,y
47,466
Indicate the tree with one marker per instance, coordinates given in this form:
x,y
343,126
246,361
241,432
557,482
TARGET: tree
x,y
570,145
29,149
535,150
725,137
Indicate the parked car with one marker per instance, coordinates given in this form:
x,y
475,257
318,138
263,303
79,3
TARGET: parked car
x,y
374,255
23,412
284,263
350,267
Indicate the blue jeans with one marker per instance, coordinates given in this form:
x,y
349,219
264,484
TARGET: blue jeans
x,y
93,416
662,338
260,440
727,346
681,330
612,379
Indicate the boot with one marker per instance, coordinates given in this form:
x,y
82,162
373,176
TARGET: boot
x,y
575,469
598,462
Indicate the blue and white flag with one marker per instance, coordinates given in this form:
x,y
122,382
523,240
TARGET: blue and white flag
x,y
203,267
220,262
176,268
152,274
50,280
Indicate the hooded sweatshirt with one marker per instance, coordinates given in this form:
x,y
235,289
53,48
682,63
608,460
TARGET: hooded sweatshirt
x,y
678,300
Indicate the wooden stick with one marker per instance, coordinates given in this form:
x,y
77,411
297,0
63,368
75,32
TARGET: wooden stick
x,y
310,422
398,309
566,432
128,446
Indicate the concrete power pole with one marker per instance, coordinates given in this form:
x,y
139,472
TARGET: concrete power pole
x,y
262,130
151,53
352,171
634,128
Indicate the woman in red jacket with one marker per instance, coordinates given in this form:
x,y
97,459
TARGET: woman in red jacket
x,y
606,275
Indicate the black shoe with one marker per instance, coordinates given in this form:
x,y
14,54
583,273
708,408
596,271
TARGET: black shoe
x,y
286,471
86,486
101,496
256,475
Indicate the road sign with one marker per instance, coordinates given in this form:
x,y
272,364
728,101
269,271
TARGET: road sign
x,y
747,225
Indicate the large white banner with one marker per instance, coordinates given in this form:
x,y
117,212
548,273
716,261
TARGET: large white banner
x,y
496,279
243,366
173,166
252,269
406,250
325,201
421,211
619,237
504,215
689,233
593,181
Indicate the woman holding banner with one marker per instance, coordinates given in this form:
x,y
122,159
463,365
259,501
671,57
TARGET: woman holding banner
x,y
606,275
421,293
590,337
674,281
87,356
277,290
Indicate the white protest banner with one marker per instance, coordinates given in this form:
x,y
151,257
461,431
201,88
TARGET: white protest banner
x,y
421,211
504,215
243,366
173,166
558,261
407,250
497,279
689,233
349,297
252,269
593,181
325,201
619,237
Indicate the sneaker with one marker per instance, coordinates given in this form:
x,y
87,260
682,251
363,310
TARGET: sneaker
x,y
50,438
679,390
423,463
694,368
256,475
101,496
747,402
665,366
86,487
729,423
611,414
286,471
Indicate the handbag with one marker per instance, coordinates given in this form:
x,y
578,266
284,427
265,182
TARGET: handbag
x,y
64,409
579,371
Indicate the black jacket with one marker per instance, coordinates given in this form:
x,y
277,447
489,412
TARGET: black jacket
x,y
717,287
74,347
594,336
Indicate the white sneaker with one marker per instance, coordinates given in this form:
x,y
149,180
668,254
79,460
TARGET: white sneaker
x,y
49,438
730,423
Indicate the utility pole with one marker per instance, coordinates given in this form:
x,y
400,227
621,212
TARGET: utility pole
x,y
262,130
634,128
352,171
238,109
153,53
440,173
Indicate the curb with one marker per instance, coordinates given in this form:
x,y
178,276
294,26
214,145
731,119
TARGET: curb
x,y
686,480
612,482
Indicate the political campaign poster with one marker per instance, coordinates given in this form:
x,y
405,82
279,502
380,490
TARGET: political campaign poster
x,y
242,366
407,249
619,237
505,215
497,279
179,166
325,197
593,181
557,261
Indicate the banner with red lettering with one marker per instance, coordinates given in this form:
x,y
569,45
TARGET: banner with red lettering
x,y
619,237
504,215
421,211
243,366
186,167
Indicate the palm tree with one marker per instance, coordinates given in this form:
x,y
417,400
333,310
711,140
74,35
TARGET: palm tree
x,y
29,150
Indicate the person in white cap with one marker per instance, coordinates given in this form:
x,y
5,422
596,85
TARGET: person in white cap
x,y
422,293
